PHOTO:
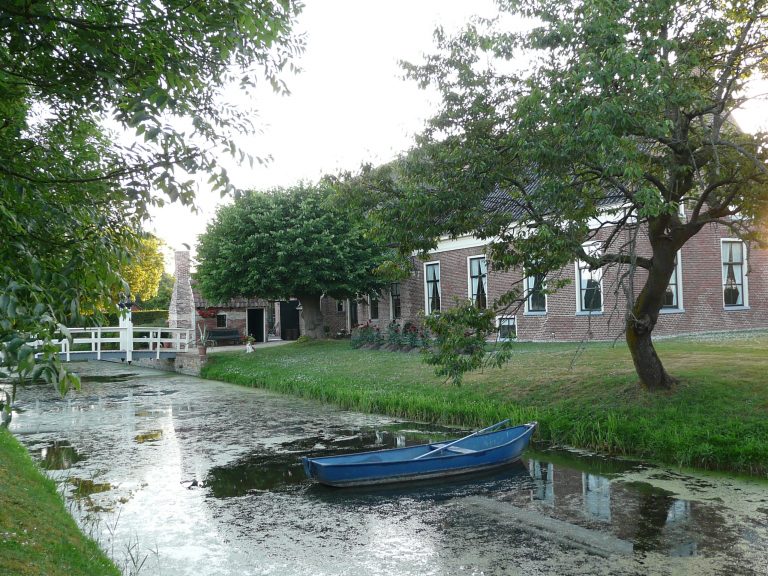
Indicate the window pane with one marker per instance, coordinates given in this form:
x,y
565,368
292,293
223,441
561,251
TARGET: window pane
x,y
537,300
394,292
433,287
478,282
221,321
733,273
507,328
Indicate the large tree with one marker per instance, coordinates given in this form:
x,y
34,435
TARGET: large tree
x,y
294,242
599,122
72,195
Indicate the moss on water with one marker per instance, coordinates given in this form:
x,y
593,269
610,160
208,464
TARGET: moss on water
x,y
586,396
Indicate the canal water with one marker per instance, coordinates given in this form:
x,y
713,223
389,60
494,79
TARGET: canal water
x,y
180,476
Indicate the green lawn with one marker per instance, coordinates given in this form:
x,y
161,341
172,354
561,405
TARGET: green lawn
x,y
584,396
37,534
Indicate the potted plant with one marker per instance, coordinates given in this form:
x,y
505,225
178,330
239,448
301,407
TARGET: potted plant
x,y
203,342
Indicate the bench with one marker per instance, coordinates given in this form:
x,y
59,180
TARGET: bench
x,y
456,449
221,335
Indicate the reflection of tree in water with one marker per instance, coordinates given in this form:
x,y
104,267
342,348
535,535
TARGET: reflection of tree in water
x,y
653,509
679,527
59,456
260,471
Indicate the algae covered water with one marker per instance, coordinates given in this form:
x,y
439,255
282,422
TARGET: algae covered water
x,y
184,476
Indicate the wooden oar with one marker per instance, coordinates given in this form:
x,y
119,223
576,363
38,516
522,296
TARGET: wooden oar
x,y
462,439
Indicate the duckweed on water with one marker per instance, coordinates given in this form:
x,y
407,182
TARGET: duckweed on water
x,y
582,395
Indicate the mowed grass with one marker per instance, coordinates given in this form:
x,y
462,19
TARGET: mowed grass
x,y
37,534
582,395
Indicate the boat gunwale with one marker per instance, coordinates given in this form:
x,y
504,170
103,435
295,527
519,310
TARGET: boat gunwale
x,y
528,427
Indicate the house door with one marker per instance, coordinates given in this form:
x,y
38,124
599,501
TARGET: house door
x,y
352,302
256,324
289,320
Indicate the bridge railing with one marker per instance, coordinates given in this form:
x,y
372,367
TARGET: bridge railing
x,y
130,339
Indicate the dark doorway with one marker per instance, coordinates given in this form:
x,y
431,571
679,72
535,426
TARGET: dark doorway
x,y
352,312
256,324
289,320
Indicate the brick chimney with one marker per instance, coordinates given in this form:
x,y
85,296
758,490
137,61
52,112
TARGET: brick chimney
x,y
181,312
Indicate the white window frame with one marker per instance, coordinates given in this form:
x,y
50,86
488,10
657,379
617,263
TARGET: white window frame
x,y
679,284
499,321
469,278
529,290
590,248
744,278
427,311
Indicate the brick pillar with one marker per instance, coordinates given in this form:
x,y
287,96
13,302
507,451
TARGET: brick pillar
x,y
181,312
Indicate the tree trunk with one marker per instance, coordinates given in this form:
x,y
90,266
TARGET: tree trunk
x,y
311,318
641,321
648,365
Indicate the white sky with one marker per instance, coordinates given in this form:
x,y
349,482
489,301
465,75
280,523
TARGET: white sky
x,y
349,105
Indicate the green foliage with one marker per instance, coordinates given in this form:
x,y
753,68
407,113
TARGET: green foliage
x,y
366,334
287,242
72,195
459,345
162,299
139,318
621,114
145,269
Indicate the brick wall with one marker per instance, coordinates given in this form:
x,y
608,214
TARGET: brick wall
x,y
701,295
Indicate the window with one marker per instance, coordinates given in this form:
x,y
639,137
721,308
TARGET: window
x,y
394,300
672,297
221,320
536,298
507,328
734,257
478,282
373,306
589,284
432,287
339,305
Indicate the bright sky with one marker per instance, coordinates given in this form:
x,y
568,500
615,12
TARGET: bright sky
x,y
350,104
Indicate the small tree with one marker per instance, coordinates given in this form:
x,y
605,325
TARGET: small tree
x,y
611,112
287,242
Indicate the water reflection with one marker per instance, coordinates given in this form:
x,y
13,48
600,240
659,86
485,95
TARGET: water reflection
x,y
209,475
59,455
647,516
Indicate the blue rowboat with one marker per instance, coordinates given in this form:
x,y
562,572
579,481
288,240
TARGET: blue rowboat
x,y
482,450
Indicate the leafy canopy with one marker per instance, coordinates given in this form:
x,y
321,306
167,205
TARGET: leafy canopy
x,y
145,270
73,195
286,242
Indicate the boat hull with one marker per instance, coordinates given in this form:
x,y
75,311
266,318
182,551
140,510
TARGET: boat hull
x,y
474,454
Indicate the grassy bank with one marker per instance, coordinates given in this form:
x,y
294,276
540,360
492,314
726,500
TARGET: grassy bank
x,y
585,396
37,535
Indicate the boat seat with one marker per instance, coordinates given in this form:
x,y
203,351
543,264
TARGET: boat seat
x,y
457,449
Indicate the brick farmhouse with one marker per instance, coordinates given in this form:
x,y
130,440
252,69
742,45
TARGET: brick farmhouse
x,y
720,284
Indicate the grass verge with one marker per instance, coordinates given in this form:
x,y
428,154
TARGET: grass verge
x,y
37,534
583,395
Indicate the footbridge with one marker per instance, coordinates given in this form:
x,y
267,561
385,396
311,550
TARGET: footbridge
x,y
125,343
